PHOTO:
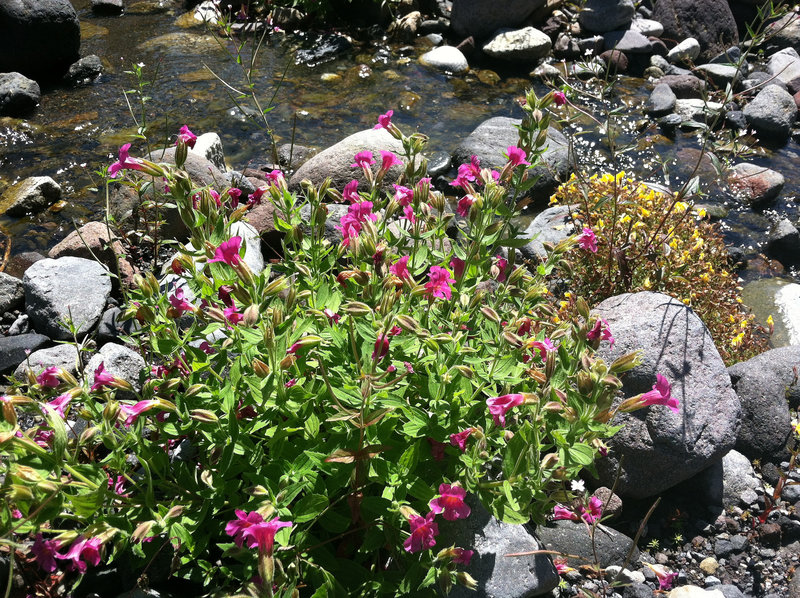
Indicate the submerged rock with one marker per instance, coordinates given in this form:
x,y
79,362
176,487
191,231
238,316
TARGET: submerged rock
x,y
31,195
756,185
661,101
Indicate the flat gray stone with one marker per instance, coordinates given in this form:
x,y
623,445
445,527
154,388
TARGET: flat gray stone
x,y
661,101
659,448
571,537
30,195
601,16
552,226
648,27
630,42
720,74
209,146
785,66
520,45
120,362
12,295
445,58
686,51
62,289
62,356
14,349
771,113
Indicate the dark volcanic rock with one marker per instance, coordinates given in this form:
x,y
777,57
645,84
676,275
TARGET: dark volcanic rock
x,y
710,22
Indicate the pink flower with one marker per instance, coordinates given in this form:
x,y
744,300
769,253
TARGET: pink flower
x,y
117,485
457,264
450,502
290,383
362,211
499,406
350,192
543,347
381,347
125,162
459,439
60,403
45,552
132,412
243,520
439,283
409,367
516,156
388,159
502,264
262,534
462,556
206,348
437,449
559,98
83,552
408,214
48,377
363,160
403,195
178,302
665,578
224,294
254,198
600,331
101,377
660,395
332,316
186,136
350,223
384,120
44,438
228,252
234,194
400,267
423,533
233,315
464,205
275,177
587,240
560,512
594,512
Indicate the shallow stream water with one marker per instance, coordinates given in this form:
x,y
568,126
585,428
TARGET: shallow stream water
x,y
77,131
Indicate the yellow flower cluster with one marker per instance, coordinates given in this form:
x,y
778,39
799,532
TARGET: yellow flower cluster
x,y
651,240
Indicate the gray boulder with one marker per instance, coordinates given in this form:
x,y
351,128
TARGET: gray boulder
x,y
12,295
571,537
19,95
481,18
648,27
445,58
755,185
686,51
107,7
659,448
335,212
63,289
685,86
86,70
772,113
490,140
335,161
209,146
499,576
710,22
41,38
785,32
785,66
63,356
761,383
518,45
629,41
30,195
601,16
720,75
739,481
783,242
661,101
119,361
251,241
553,225
14,349
200,169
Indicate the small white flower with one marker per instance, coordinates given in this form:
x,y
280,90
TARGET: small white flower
x,y
578,486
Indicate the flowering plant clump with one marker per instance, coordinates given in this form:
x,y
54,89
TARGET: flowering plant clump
x,y
636,238
319,426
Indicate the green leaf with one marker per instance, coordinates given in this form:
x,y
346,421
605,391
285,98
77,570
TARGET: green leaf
x,y
309,507
582,454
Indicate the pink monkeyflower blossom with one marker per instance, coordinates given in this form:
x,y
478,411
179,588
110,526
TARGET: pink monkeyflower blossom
x,y
499,406
561,566
363,159
384,120
215,196
463,206
437,449
293,349
391,369
594,511
60,403
16,514
262,534
48,378
233,315
234,194
101,377
403,195
132,412
332,316
516,156
350,192
423,533
601,331
243,521
362,211
400,267
660,395
388,159
82,552
561,512
125,162
459,439
462,556
409,367
424,185
179,303
543,347
666,579
457,264
408,214
450,503
395,330
291,383
186,136
439,281
228,252
176,267
275,177
559,98
254,198
117,485
44,438
587,240
206,348
45,552
381,347
501,264
224,294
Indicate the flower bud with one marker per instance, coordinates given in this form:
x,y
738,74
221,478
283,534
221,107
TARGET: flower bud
x,y
244,273
142,531
111,412
88,434
407,323
258,490
287,362
250,317
516,276
260,368
466,580
465,371
20,493
550,365
585,383
549,461
276,286
583,307
626,362
356,308
513,340
194,390
490,313
47,486
26,474
9,413
203,416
